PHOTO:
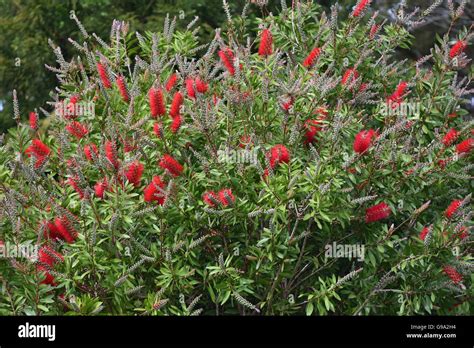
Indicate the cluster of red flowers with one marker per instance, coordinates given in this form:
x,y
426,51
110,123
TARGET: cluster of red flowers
x,y
122,86
227,57
173,166
453,207
397,96
360,7
457,49
377,212
311,58
77,129
39,150
104,76
266,43
33,119
453,274
224,197
47,258
363,140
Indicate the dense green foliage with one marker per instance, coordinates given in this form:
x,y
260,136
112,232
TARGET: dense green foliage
x,y
264,253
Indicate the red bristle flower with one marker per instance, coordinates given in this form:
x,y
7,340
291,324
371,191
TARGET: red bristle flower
x,y
360,7
50,231
349,73
33,120
453,207
363,140
201,86
171,82
122,87
424,232
287,104
75,185
457,48
69,110
227,57
450,137
111,153
157,104
176,123
158,129
452,274
312,127
210,198
190,88
397,96
39,149
465,146
279,154
152,193
172,165
310,59
89,149
377,212
373,30
66,229
226,197
100,187
104,76
134,173
266,43
49,257
176,104
77,129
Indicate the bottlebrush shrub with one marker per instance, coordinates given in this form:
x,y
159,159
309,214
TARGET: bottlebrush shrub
x,y
136,211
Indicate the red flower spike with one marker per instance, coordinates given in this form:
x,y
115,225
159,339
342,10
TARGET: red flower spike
x,y
452,274
450,137
65,229
157,104
457,49
100,187
211,198
104,76
466,146
266,43
49,257
350,73
77,129
311,58
111,153
33,119
227,58
312,127
89,149
173,166
171,82
39,149
397,96
176,104
158,129
176,124
134,173
279,154
377,212
360,7
122,87
201,86
190,88
373,30
152,193
363,140
75,185
453,207
424,232
226,197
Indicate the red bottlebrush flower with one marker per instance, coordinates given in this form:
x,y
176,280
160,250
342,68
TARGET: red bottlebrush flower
x,y
211,198
190,88
171,82
286,105
312,127
39,149
465,146
176,104
176,124
453,207
266,43
226,197
157,105
172,165
122,86
310,59
100,187
104,76
51,231
196,85
75,185
377,212
373,30
450,137
77,129
397,96
152,193
424,232
74,99
134,173
111,153
89,149
48,257
227,57
65,229
457,48
349,73
360,7
69,111
33,120
279,154
158,129
363,140
452,274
